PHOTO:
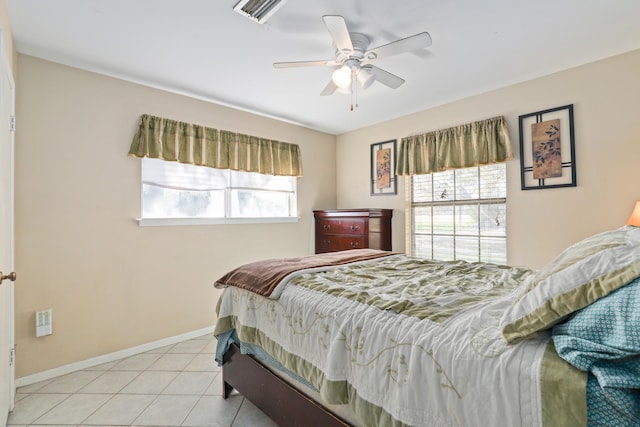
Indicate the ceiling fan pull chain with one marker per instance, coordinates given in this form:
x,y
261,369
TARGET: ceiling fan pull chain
x,y
354,90
351,91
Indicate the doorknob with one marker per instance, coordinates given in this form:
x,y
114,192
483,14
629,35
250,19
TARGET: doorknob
x,y
11,276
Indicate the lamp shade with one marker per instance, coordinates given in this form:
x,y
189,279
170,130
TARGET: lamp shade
x,y
634,219
365,77
342,76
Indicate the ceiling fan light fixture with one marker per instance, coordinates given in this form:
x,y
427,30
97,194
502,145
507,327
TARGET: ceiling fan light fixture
x,y
365,77
342,76
353,58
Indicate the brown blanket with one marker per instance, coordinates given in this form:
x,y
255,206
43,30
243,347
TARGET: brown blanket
x,y
263,276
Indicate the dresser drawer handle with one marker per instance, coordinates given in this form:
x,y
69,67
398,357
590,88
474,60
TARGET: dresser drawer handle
x,y
355,227
355,245
326,227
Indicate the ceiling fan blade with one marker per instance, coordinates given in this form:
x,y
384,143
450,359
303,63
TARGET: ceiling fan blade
x,y
329,89
385,77
304,63
339,32
415,42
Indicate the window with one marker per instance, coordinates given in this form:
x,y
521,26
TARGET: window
x,y
172,190
460,214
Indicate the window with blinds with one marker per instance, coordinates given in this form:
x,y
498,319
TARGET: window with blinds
x,y
460,214
178,190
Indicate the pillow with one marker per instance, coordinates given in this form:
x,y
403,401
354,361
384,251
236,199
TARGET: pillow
x,y
579,276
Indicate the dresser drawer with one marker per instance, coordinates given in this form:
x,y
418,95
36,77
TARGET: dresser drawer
x,y
338,242
344,229
353,226
342,226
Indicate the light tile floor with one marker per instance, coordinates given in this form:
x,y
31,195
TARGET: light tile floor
x,y
177,385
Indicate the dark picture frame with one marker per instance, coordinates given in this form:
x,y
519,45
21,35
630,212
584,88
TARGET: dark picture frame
x,y
547,149
383,168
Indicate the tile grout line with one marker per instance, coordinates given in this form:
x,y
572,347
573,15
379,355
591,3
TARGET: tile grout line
x,y
196,354
200,396
235,417
113,395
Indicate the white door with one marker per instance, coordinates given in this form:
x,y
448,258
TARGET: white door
x,y
7,386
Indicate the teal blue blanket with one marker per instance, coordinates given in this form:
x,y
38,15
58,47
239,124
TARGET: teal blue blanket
x,y
604,340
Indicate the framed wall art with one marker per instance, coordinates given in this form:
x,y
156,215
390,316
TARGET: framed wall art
x,y
547,149
383,168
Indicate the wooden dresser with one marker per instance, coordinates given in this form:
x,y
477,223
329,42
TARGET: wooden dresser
x,y
342,229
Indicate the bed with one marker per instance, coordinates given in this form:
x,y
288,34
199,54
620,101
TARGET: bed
x,y
374,338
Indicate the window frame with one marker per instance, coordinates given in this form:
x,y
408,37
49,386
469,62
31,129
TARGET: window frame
x,y
227,219
454,204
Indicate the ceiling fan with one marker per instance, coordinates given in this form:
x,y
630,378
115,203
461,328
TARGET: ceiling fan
x,y
353,57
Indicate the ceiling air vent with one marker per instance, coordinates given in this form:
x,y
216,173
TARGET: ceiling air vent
x,y
258,10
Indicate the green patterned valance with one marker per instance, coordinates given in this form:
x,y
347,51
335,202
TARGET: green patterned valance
x,y
171,140
478,143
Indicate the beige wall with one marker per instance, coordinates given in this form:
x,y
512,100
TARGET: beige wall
x,y
112,284
540,222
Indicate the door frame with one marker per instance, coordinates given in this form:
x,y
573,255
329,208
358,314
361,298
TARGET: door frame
x,y
10,92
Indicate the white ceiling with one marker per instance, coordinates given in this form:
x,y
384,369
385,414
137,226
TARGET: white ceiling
x,y
204,49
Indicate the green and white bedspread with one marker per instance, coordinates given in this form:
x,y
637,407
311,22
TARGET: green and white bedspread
x,y
406,341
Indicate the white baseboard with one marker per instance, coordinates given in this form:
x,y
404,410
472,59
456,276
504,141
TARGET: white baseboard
x,y
105,358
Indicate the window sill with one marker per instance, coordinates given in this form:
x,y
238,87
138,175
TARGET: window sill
x,y
153,222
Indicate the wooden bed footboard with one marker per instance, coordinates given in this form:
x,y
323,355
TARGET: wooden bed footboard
x,y
282,402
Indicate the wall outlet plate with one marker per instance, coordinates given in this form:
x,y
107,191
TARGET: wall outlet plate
x,y
44,322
